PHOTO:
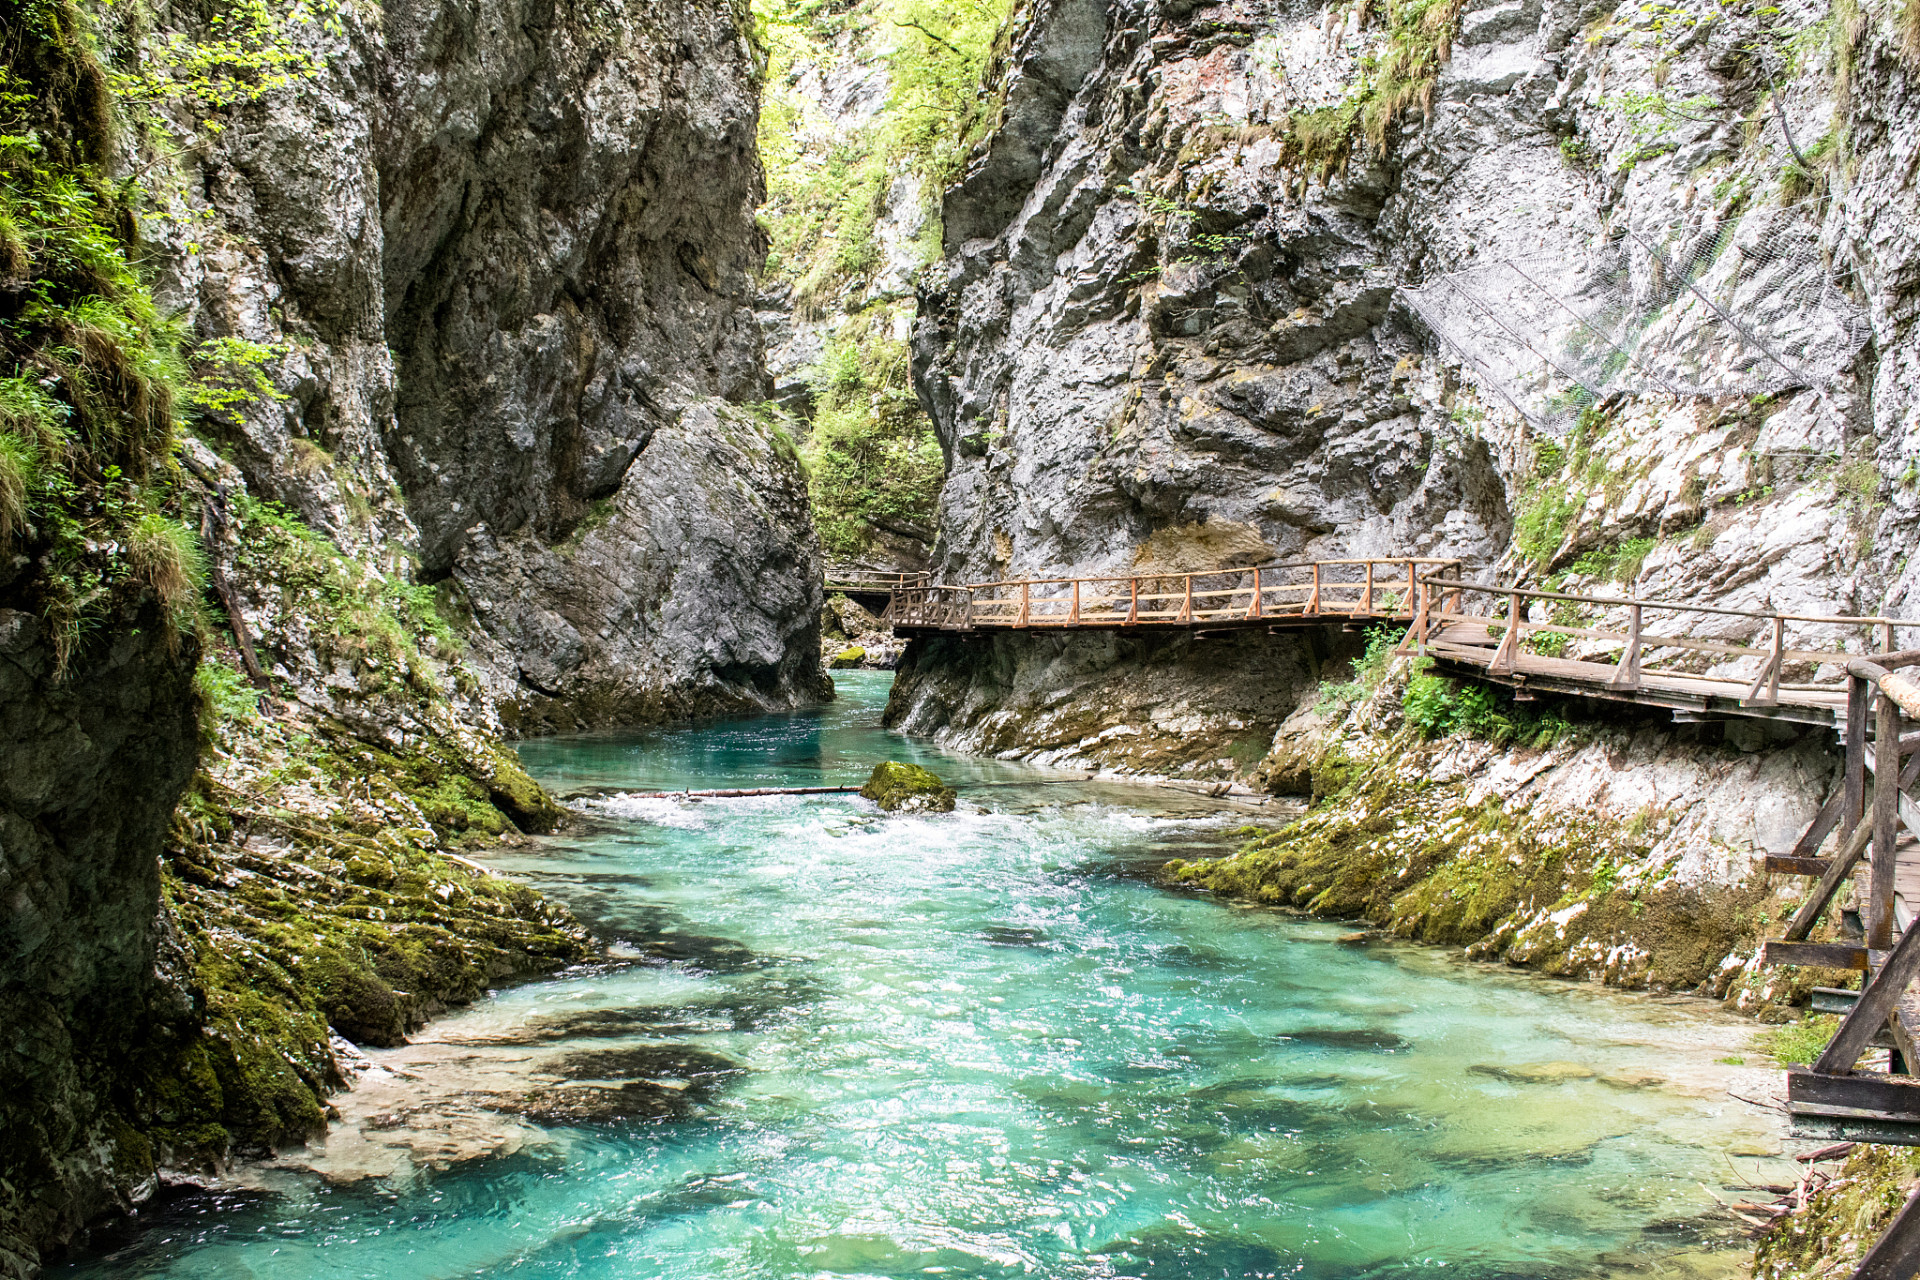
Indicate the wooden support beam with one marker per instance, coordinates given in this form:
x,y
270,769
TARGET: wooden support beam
x,y
1896,1096
1854,766
1824,955
1786,864
1880,997
1253,610
1073,614
1896,1255
1133,602
1855,1128
1886,826
1822,893
1366,597
1765,689
1503,658
1821,827
1186,607
1909,775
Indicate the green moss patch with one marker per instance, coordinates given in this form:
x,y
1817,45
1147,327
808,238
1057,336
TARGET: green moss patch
x,y
1564,893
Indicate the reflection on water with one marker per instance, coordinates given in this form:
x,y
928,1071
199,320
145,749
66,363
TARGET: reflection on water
x,y
834,1043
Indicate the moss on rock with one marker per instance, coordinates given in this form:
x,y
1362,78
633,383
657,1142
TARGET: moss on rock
x,y
1567,893
907,788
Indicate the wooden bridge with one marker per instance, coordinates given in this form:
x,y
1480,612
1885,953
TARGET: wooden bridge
x,y
1275,596
1699,661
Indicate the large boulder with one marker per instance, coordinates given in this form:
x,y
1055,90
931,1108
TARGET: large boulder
x,y
907,788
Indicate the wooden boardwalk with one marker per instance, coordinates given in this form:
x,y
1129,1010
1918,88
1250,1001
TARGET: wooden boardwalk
x,y
1701,661
1308,593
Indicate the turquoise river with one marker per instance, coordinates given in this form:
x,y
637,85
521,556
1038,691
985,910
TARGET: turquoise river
x,y
832,1043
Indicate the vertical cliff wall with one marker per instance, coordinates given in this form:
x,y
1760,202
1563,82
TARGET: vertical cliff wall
x,y
509,256
1242,282
1191,315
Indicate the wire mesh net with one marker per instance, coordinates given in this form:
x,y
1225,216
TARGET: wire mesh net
x,y
1745,306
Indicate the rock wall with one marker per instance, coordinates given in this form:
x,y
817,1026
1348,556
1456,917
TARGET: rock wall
x,y
466,296
1246,282
1178,327
508,254
91,974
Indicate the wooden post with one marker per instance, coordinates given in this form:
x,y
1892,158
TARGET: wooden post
x,y
1503,658
1366,597
1133,601
969,610
1025,602
1254,610
1859,694
1412,578
1765,689
1886,820
1627,674
1313,600
1186,607
1415,641
1880,997
1073,616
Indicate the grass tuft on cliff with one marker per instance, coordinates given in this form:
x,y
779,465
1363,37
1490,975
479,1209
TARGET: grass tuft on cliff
x,y
1397,77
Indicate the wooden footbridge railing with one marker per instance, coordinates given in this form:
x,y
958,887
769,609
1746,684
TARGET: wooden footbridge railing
x,y
855,583
1306,593
1699,660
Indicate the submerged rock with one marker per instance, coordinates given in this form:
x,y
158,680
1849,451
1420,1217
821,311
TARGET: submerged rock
x,y
1534,1072
907,788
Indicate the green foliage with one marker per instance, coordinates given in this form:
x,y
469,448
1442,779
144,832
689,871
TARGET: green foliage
x,y
1801,1041
1398,76
1542,524
1368,671
387,626
1436,706
827,190
248,51
871,454
165,554
1619,563
231,373
224,691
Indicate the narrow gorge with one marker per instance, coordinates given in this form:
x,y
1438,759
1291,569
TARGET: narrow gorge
x,y
430,436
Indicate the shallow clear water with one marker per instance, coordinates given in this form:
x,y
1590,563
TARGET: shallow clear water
x,y
979,1044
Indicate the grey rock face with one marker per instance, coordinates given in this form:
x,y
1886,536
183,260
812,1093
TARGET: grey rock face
x,y
90,768
511,250
1147,325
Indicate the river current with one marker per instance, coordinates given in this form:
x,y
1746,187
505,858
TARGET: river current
x,y
833,1043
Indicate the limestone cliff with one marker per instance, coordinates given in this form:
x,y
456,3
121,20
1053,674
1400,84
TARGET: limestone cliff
x,y
1244,282
505,258
1167,325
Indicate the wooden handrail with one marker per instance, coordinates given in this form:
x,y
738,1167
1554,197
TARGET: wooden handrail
x,y
1623,601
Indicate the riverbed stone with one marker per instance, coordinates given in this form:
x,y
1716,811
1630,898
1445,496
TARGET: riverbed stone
x,y
907,788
